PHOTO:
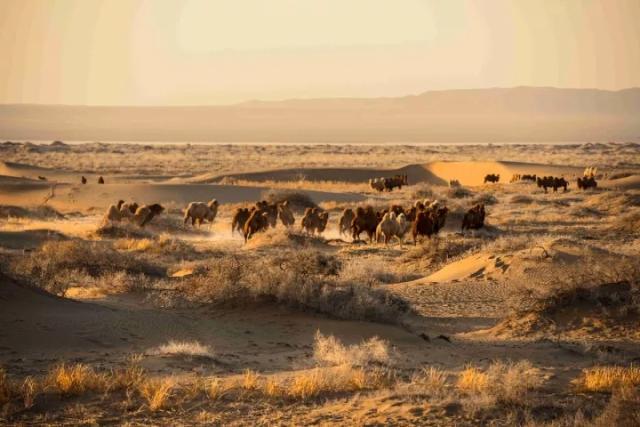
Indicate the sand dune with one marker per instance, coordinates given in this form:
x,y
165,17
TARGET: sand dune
x,y
473,173
629,183
435,173
82,197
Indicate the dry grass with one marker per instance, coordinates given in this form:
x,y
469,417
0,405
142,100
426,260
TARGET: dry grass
x,y
156,392
319,381
503,381
250,380
607,378
328,350
216,388
432,380
183,348
76,379
308,384
163,243
473,380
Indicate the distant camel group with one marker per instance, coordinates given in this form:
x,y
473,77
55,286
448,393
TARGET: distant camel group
x,y
388,184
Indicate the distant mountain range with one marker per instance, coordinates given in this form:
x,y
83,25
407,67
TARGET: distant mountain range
x,y
474,115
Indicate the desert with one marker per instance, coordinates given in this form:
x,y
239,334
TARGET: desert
x,y
320,213
527,317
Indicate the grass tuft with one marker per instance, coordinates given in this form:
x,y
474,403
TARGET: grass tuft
x,y
607,378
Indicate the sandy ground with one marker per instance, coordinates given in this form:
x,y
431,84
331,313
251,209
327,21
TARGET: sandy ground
x,y
459,286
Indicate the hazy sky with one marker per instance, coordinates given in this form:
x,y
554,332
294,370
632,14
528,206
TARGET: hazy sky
x,y
148,52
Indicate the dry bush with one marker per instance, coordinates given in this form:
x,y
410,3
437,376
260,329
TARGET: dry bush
x,y
607,378
122,230
608,287
511,382
458,193
373,271
157,392
627,223
522,199
283,238
297,199
421,192
328,350
59,265
437,251
305,279
511,243
74,380
164,243
40,212
486,198
182,348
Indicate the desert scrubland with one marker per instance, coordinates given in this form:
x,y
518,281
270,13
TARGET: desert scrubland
x,y
531,319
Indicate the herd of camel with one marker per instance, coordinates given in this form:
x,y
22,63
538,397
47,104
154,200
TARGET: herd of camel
x,y
588,180
423,218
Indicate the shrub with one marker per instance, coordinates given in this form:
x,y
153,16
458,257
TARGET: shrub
x,y
305,279
40,212
521,199
486,198
609,287
59,265
458,192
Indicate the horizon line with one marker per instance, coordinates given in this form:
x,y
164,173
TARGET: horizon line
x,y
250,101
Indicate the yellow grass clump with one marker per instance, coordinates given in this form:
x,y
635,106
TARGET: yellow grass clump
x,y
308,384
473,380
608,378
216,389
431,379
250,380
73,380
140,245
156,392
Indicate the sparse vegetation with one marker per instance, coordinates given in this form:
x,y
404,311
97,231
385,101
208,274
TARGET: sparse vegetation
x,y
327,350
608,378
183,348
304,279
59,265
